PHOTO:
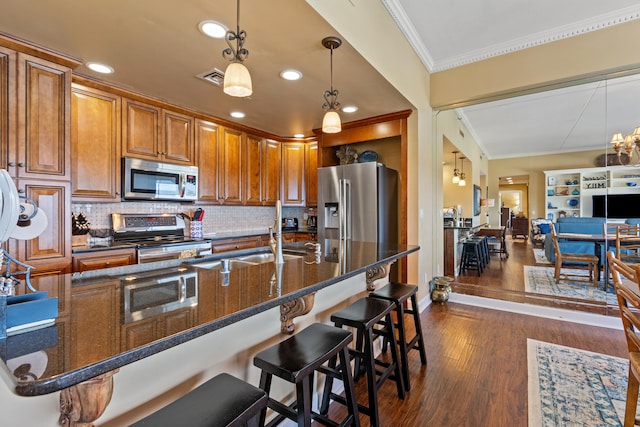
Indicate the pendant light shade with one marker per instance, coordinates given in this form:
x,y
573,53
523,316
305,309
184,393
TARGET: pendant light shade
x,y
237,81
331,122
462,182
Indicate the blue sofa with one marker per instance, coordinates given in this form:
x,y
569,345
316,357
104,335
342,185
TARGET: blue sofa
x,y
581,225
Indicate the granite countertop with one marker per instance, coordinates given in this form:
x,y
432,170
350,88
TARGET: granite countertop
x,y
97,308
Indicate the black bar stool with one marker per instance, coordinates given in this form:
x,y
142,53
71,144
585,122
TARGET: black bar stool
x,y
399,293
295,360
471,257
222,401
363,315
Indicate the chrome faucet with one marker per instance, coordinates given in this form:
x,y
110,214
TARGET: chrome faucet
x,y
276,243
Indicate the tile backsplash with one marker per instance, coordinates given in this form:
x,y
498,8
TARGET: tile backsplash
x,y
216,218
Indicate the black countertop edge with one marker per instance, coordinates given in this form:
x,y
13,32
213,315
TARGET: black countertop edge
x,y
54,384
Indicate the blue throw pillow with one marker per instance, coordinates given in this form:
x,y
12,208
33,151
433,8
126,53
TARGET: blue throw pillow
x,y
544,228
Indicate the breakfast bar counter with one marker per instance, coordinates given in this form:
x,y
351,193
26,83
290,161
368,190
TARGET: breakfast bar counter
x,y
112,318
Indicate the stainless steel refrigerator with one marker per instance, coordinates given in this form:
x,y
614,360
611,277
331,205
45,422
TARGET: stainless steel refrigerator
x,y
358,202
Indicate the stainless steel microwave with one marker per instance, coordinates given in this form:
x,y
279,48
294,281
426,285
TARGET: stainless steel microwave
x,y
149,180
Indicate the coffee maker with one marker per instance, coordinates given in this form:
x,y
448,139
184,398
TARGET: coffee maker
x,y
312,222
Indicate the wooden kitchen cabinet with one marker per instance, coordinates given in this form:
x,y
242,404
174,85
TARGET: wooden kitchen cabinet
x,y
230,173
311,173
95,145
227,245
42,149
261,171
207,143
103,259
145,331
97,331
152,133
293,173
7,102
178,138
49,253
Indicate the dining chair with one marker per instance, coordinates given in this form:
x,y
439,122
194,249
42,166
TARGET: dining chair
x,y
625,281
628,243
574,261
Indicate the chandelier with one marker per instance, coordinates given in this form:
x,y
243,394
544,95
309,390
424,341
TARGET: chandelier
x,y
631,146
456,175
331,121
237,81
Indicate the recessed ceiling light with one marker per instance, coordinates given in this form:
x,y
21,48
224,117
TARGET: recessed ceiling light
x,y
299,135
237,114
291,75
350,109
100,68
213,29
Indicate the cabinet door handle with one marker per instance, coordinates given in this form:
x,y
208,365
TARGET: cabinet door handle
x,y
11,164
21,191
21,165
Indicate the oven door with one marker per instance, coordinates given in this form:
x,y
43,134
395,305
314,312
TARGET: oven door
x,y
150,296
173,251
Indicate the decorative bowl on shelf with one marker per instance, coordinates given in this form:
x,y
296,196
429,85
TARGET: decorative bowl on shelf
x,y
631,184
575,192
573,203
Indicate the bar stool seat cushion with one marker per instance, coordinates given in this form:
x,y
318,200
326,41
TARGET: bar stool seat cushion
x,y
298,356
222,401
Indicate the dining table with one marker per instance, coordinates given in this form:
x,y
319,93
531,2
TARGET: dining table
x,y
498,233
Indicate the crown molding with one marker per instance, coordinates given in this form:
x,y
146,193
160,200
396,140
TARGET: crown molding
x,y
575,29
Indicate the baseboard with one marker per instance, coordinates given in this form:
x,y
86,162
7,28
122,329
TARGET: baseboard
x,y
612,322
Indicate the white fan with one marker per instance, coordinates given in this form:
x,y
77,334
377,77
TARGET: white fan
x,y
10,206
18,220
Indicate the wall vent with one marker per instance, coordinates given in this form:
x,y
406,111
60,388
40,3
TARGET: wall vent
x,y
214,76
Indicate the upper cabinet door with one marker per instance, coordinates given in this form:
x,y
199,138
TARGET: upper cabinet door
x,y
230,167
7,104
43,98
293,173
252,167
140,130
178,138
95,145
271,172
311,169
207,143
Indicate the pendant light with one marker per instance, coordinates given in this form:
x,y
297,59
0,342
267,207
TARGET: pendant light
x,y
331,121
237,81
456,176
462,181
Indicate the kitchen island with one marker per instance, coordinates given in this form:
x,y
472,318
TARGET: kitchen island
x,y
220,320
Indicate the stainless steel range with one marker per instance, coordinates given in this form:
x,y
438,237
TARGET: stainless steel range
x,y
157,237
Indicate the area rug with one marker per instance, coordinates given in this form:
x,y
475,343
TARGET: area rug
x,y
539,280
571,387
541,258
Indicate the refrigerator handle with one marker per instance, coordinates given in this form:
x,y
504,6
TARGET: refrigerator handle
x,y
341,210
347,207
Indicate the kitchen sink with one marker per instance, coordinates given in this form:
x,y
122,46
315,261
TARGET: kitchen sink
x,y
243,261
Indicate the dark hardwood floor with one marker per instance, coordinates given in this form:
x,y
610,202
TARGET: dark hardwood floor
x,y
477,367
504,279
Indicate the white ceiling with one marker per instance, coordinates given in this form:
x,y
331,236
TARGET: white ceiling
x,y
156,49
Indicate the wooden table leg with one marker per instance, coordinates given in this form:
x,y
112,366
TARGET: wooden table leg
x,y
82,404
292,309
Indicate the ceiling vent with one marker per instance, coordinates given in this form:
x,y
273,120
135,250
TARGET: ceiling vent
x,y
214,76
